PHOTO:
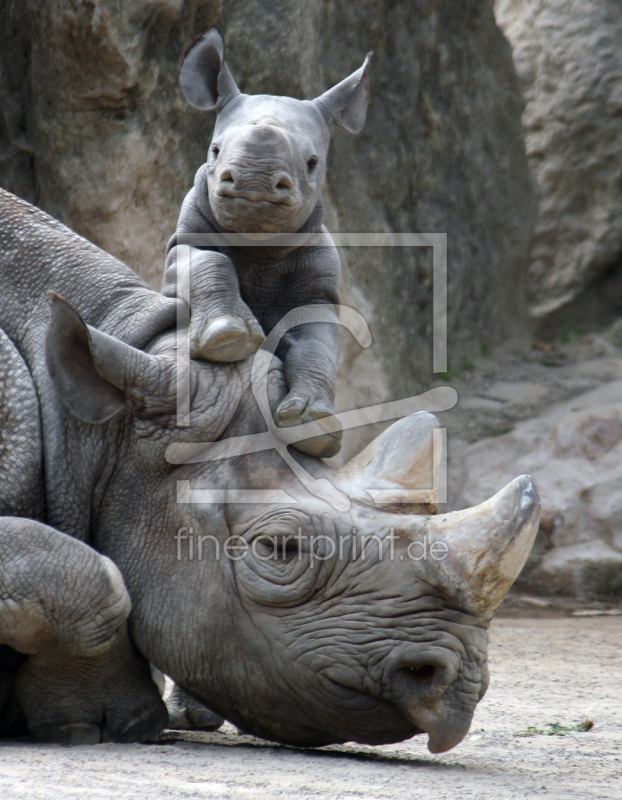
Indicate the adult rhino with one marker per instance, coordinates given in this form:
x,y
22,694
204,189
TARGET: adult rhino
x,y
371,648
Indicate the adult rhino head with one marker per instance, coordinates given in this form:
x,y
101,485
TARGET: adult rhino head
x,y
299,623
267,160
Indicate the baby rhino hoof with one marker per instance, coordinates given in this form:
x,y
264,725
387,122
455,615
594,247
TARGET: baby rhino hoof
x,y
227,339
296,411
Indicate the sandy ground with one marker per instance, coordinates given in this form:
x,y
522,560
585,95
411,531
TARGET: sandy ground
x,y
543,670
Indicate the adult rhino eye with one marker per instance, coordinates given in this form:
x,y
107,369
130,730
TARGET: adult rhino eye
x,y
215,151
312,163
287,550
275,548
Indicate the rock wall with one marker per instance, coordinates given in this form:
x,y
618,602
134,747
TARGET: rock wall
x,y
569,60
94,129
573,451
442,151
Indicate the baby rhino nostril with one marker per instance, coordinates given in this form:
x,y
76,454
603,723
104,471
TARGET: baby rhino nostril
x,y
226,176
284,182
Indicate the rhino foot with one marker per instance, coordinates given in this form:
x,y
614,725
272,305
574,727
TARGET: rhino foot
x,y
187,714
227,338
108,698
296,410
64,607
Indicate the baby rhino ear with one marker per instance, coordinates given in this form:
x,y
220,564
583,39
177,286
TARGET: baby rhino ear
x,y
205,78
346,103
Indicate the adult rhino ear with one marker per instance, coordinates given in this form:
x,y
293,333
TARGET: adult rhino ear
x,y
205,78
346,103
97,376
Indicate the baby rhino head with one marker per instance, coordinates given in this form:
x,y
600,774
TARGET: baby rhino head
x,y
267,160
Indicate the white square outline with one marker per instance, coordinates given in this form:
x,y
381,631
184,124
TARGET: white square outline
x,y
438,242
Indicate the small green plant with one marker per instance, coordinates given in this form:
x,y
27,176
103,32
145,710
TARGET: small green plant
x,y
452,374
557,729
572,337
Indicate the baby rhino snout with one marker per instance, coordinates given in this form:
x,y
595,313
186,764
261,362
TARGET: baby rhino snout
x,y
276,186
258,168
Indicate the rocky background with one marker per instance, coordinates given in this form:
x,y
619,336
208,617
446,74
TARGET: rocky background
x,y
94,130
569,60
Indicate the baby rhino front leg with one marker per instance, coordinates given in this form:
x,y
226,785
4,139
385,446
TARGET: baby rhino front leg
x,y
222,326
66,607
309,355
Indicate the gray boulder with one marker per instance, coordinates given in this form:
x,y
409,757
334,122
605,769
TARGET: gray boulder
x,y
568,57
574,452
94,128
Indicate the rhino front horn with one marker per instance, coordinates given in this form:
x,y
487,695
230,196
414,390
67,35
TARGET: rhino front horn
x,y
486,546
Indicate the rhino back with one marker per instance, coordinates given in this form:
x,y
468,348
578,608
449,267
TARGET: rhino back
x,y
21,465
38,254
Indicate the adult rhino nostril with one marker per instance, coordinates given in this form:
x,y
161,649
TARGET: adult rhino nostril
x,y
423,689
423,675
417,675
226,176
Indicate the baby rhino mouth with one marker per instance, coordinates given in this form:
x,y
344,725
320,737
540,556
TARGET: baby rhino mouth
x,y
256,197
257,185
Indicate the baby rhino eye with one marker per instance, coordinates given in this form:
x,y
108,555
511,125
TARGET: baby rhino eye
x,y
215,151
312,163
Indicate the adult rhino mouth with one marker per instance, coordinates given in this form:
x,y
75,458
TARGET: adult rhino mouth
x,y
445,724
445,730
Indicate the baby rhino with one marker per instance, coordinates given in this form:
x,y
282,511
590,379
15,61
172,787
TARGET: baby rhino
x,y
263,176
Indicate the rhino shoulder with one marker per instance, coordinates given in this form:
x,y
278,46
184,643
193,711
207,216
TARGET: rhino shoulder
x,y
21,452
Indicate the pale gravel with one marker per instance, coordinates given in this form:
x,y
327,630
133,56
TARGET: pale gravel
x,y
543,670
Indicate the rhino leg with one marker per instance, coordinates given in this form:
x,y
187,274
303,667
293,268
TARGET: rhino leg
x,y
65,607
187,714
184,712
222,326
310,361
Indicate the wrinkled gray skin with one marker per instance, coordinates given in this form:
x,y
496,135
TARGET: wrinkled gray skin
x,y
264,174
365,649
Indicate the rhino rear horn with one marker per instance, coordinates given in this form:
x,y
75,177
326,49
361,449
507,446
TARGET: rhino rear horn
x,y
97,376
205,79
399,466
